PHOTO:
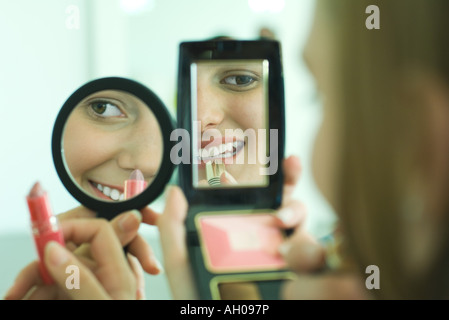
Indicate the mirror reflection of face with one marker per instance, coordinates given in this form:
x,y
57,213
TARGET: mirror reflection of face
x,y
230,115
109,137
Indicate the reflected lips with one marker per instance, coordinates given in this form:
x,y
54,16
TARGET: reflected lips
x,y
133,186
107,192
212,150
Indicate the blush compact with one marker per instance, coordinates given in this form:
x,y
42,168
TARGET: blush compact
x,y
239,251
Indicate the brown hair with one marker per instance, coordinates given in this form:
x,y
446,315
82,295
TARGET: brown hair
x,y
384,133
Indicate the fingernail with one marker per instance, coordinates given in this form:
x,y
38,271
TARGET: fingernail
x,y
286,215
130,221
284,248
158,265
230,178
140,294
168,189
312,252
56,254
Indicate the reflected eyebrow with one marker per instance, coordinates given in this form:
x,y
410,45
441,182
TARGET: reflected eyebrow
x,y
228,72
124,101
223,66
107,100
231,69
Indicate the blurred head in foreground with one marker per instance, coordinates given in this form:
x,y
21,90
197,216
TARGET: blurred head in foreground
x,y
382,154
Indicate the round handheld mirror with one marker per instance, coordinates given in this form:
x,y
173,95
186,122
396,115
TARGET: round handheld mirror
x,y
111,145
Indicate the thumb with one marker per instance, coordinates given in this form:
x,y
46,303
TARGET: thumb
x,y
171,226
173,242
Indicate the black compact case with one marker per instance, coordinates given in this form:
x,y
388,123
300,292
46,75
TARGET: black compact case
x,y
234,208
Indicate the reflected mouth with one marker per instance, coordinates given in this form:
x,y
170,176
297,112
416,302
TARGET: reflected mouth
x,y
107,192
221,151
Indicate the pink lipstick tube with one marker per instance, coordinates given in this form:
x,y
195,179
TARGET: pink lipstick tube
x,y
44,226
135,184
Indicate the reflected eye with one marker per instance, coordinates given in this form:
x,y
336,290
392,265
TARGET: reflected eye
x,y
240,82
105,109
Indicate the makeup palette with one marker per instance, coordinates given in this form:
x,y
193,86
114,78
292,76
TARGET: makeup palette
x,y
240,242
240,254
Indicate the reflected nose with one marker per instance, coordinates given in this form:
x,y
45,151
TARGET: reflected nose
x,y
142,149
210,112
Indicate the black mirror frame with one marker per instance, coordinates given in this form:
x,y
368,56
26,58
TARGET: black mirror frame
x,y
105,209
270,50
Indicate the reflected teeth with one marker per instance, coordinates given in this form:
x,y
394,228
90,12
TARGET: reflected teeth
x,y
224,150
114,194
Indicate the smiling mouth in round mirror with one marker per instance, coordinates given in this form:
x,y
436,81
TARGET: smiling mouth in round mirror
x,y
112,145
